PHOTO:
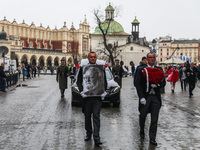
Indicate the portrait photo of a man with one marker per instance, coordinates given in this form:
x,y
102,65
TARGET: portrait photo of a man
x,y
93,80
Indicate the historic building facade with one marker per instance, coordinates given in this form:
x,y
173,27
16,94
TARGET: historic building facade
x,y
187,49
129,46
44,46
164,51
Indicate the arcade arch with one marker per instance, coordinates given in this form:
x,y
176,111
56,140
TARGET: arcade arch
x,y
49,62
33,60
41,61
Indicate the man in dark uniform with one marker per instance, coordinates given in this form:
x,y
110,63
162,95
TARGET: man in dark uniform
x,y
191,76
142,63
149,99
91,105
72,71
117,72
61,77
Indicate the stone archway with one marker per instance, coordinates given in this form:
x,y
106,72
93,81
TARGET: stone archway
x,y
49,62
41,61
56,62
33,60
24,59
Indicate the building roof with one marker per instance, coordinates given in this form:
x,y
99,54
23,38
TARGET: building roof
x,y
135,21
109,8
185,41
114,28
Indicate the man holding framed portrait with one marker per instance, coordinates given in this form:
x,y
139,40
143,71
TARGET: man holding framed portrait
x,y
91,81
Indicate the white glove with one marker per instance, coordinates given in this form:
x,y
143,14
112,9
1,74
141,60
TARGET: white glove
x,y
83,95
143,101
153,85
103,95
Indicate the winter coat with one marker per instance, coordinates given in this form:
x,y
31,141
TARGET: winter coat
x,y
61,77
175,75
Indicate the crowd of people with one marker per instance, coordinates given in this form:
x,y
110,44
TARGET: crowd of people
x,y
188,74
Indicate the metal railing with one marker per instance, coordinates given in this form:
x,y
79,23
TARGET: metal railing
x,y
12,79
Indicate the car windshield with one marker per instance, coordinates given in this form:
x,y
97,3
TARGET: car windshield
x,y
108,75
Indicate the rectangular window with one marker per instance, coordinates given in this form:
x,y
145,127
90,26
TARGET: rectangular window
x,y
161,50
22,43
85,44
190,54
167,53
38,45
31,44
195,54
69,47
16,42
167,49
45,45
186,49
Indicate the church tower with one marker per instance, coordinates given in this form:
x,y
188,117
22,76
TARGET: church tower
x,y
109,12
135,29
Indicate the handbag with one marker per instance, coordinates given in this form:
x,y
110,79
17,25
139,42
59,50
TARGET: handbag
x,y
169,79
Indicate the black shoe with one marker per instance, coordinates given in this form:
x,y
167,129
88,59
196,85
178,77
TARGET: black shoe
x,y
142,135
87,138
190,96
172,91
153,142
62,96
98,143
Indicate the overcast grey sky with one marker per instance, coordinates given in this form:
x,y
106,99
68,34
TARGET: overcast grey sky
x,y
177,18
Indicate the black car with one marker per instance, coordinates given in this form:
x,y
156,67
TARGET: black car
x,y
113,90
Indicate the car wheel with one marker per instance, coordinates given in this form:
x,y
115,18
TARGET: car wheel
x,y
116,104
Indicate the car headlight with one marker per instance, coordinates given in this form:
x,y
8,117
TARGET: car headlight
x,y
75,88
115,89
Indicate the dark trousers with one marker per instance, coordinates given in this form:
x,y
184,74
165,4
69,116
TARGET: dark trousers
x,y
92,106
183,84
191,87
152,106
62,92
3,84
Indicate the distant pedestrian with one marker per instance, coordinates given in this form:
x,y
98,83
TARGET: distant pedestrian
x,y
173,77
19,68
191,75
52,70
61,77
33,71
38,69
24,71
72,71
133,69
117,72
183,77
3,78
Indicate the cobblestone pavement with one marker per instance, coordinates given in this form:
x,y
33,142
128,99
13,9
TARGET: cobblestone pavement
x,y
34,117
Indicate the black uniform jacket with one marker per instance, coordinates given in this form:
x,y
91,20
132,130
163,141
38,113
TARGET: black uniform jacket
x,y
141,85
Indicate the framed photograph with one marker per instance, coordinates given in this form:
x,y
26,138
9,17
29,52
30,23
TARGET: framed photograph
x,y
93,80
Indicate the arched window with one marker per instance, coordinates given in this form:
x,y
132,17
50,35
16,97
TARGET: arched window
x,y
38,45
22,43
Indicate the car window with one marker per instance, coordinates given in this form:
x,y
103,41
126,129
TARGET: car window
x,y
108,75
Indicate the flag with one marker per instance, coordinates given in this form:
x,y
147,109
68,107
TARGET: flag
x,y
183,58
190,59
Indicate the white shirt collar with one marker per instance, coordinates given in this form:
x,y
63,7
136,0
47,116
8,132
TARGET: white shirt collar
x,y
150,66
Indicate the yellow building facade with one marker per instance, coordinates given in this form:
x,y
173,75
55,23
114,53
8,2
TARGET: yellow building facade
x,y
44,46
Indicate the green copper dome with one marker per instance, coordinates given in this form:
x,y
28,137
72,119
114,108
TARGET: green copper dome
x,y
114,28
109,7
135,21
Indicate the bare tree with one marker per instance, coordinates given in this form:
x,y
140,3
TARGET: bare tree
x,y
109,50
